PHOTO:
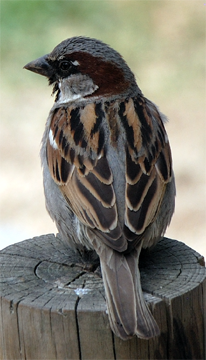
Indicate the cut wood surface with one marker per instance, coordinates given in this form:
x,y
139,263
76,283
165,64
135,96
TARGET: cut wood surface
x,y
52,305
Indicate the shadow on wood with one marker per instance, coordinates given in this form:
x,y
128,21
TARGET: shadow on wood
x,y
52,307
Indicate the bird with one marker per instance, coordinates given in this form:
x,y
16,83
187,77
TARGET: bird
x,y
107,171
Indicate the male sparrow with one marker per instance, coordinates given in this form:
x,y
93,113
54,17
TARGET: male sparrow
x,y
107,169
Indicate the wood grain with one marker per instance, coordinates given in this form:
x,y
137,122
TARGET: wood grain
x,y
52,306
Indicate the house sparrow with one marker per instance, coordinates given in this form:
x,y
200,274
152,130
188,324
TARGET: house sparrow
x,y
107,169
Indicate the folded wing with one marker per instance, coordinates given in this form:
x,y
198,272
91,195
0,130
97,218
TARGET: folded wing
x,y
77,161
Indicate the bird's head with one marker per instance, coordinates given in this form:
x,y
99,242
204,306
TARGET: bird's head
x,y
82,67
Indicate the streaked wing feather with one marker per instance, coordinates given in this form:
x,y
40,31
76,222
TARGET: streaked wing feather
x,y
148,169
82,200
77,164
102,192
60,169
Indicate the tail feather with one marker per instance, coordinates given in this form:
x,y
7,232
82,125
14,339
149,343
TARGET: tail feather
x,y
146,326
128,313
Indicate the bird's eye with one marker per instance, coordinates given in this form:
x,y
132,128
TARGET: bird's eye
x,y
65,65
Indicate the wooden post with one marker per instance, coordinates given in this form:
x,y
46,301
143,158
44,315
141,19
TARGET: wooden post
x,y
52,307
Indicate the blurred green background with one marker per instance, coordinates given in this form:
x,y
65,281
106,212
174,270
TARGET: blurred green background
x,y
164,42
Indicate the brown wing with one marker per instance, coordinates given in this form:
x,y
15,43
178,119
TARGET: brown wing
x,y
77,163
148,163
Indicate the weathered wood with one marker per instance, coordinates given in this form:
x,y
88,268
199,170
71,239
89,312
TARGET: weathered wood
x,y
52,307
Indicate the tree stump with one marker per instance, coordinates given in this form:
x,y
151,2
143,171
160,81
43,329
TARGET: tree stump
x,y
52,306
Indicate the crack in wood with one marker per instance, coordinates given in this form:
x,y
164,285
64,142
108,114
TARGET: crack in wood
x,y
52,334
36,267
77,324
18,327
75,278
113,346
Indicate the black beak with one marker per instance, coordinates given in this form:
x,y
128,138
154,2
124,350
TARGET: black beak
x,y
40,66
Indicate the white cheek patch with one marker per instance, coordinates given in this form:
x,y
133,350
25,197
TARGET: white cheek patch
x,y
66,95
75,87
52,140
